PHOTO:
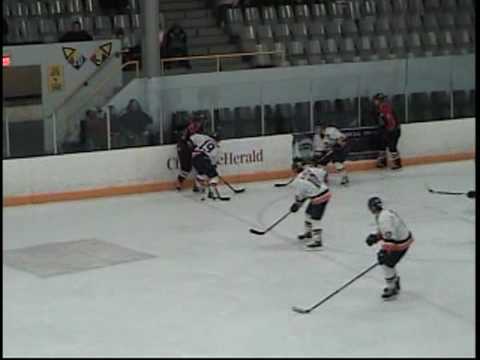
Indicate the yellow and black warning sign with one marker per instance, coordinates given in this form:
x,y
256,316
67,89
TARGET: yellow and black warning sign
x,y
101,54
73,56
56,80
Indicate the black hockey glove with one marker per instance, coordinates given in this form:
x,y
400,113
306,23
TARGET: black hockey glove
x,y
295,206
372,239
381,257
471,194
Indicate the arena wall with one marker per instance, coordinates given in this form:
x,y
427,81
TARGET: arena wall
x,y
147,169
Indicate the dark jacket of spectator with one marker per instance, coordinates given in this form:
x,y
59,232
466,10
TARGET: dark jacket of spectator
x,y
135,119
76,34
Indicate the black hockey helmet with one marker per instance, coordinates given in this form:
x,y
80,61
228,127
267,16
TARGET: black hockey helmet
x,y
297,165
379,96
375,204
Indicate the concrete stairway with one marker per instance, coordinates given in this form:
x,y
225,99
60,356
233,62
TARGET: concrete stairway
x,y
204,37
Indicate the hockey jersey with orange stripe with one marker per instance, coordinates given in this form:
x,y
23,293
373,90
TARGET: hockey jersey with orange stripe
x,y
392,231
310,184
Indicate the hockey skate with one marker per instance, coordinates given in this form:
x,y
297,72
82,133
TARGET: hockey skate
x,y
381,161
316,243
178,184
397,164
304,236
391,292
345,180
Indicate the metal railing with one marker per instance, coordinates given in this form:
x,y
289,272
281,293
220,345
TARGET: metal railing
x,y
219,57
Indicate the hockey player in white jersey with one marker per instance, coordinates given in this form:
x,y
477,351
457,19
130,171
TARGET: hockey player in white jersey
x,y
329,145
310,186
204,161
395,238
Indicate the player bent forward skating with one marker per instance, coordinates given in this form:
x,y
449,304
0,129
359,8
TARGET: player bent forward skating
x,y
396,239
204,161
310,186
330,146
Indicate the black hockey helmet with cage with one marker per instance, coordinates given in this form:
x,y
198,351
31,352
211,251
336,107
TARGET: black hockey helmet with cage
x,y
375,204
379,96
297,165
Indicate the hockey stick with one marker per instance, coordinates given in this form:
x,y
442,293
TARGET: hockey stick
x,y
306,311
236,191
292,179
260,232
445,192
284,184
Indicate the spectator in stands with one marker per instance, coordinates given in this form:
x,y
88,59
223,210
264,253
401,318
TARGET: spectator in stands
x,y
135,125
175,45
95,130
76,34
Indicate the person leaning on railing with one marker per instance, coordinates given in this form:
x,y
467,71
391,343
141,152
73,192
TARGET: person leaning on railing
x,y
175,45
76,34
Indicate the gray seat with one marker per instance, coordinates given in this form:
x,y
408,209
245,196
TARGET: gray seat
x,y
247,121
366,26
269,15
319,11
445,42
91,6
382,25
281,32
463,19
419,108
121,21
225,123
348,50
432,5
334,29
302,12
279,59
415,7
397,44
466,5
430,43
264,32
317,29
136,21
314,52
449,5
32,34
399,6
252,15
380,45
365,49
349,28
86,22
330,50
461,105
414,44
48,30
335,9
399,25
285,14
299,31
234,16
430,22
19,9
414,23
103,25
74,6
446,21
462,40
440,101
37,8
384,7
263,60
248,39
368,8
301,118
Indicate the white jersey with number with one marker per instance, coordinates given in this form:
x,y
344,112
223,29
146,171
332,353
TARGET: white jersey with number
x,y
393,231
310,183
204,144
331,137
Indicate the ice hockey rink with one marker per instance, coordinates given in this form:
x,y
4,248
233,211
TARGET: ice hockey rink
x,y
199,284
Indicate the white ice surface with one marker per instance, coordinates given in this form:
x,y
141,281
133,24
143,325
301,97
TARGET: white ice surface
x,y
214,289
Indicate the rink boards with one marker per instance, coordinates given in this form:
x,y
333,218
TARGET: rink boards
x,y
147,169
